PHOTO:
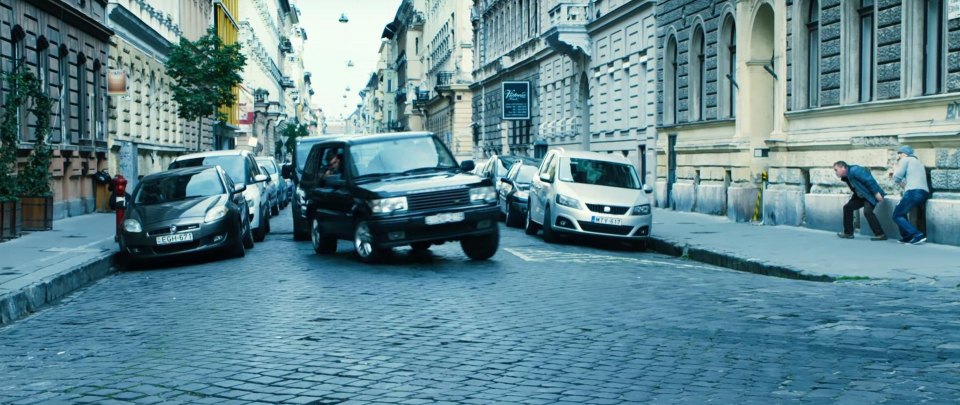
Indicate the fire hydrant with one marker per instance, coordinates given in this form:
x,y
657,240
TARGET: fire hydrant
x,y
120,201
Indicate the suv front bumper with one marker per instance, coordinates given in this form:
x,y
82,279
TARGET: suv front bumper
x,y
412,228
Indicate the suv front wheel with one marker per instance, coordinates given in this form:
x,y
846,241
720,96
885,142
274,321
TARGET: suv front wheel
x,y
364,246
481,247
322,244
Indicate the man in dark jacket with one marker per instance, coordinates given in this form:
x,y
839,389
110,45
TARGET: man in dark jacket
x,y
867,194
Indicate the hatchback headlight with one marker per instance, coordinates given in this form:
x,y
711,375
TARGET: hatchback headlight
x,y
215,214
567,201
641,210
483,194
388,205
132,226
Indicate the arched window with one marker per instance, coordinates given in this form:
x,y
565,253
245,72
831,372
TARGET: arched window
x,y
812,25
670,82
698,76
727,68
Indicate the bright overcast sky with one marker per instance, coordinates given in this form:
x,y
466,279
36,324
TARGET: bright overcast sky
x,y
330,44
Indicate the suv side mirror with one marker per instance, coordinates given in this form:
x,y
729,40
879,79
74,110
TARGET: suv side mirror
x,y
260,178
647,189
239,188
506,180
467,165
546,178
286,171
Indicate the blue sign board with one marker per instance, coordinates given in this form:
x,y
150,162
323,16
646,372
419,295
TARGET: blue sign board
x,y
516,100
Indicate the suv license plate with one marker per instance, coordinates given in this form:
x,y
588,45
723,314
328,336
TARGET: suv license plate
x,y
175,238
444,218
605,220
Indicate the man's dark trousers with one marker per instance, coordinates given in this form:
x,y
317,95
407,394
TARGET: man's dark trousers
x,y
852,206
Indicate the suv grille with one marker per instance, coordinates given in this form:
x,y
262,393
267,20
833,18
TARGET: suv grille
x,y
613,209
439,199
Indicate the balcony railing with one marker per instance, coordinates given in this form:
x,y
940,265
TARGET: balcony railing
x,y
444,78
569,13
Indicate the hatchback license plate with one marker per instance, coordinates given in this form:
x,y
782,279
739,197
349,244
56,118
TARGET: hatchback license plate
x,y
444,218
175,238
605,220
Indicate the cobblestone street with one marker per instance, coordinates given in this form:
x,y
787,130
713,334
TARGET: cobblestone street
x,y
571,323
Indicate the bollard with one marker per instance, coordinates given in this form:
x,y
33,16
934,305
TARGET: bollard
x,y
120,194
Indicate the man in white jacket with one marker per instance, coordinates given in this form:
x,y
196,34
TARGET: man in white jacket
x,y
913,176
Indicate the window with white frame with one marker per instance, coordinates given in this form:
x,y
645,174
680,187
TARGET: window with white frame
x,y
933,49
698,75
670,82
812,47
865,66
727,68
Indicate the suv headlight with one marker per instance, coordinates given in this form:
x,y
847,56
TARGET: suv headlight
x,y
567,201
215,214
641,210
388,205
483,194
132,226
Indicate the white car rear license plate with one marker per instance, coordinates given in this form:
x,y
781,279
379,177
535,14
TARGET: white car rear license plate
x,y
605,220
175,238
444,218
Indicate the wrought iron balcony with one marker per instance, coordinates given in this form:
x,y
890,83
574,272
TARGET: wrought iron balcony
x,y
444,79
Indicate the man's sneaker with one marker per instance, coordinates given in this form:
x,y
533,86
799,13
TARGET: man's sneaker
x,y
879,237
920,238
844,235
906,240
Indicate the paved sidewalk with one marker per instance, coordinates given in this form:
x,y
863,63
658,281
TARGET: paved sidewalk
x,y
804,253
41,267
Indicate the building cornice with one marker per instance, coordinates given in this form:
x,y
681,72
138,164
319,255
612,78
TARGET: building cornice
x,y
136,32
75,17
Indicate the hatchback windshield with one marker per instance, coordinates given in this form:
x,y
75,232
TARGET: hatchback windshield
x,y
233,165
599,173
525,176
400,156
174,188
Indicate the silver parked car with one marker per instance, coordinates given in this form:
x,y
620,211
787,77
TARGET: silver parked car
x,y
276,184
588,193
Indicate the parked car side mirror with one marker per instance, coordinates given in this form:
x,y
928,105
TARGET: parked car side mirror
x,y
260,178
264,170
467,165
506,180
546,178
647,189
239,188
286,171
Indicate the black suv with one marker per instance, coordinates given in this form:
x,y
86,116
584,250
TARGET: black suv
x,y
389,190
294,172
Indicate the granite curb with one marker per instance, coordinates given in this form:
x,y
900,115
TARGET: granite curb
x,y
18,304
730,260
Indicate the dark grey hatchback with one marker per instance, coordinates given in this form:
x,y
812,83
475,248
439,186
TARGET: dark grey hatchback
x,y
387,190
183,211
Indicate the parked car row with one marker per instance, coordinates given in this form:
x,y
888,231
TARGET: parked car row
x,y
379,192
209,201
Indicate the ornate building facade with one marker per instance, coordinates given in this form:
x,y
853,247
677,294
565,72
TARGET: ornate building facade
x,y
144,132
66,45
766,95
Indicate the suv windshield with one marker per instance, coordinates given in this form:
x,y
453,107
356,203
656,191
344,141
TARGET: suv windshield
x,y
400,156
174,188
233,165
599,173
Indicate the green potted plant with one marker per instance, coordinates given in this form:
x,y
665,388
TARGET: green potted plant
x,y
36,197
16,97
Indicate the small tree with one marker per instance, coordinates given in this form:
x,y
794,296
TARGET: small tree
x,y
17,84
35,178
290,133
205,73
